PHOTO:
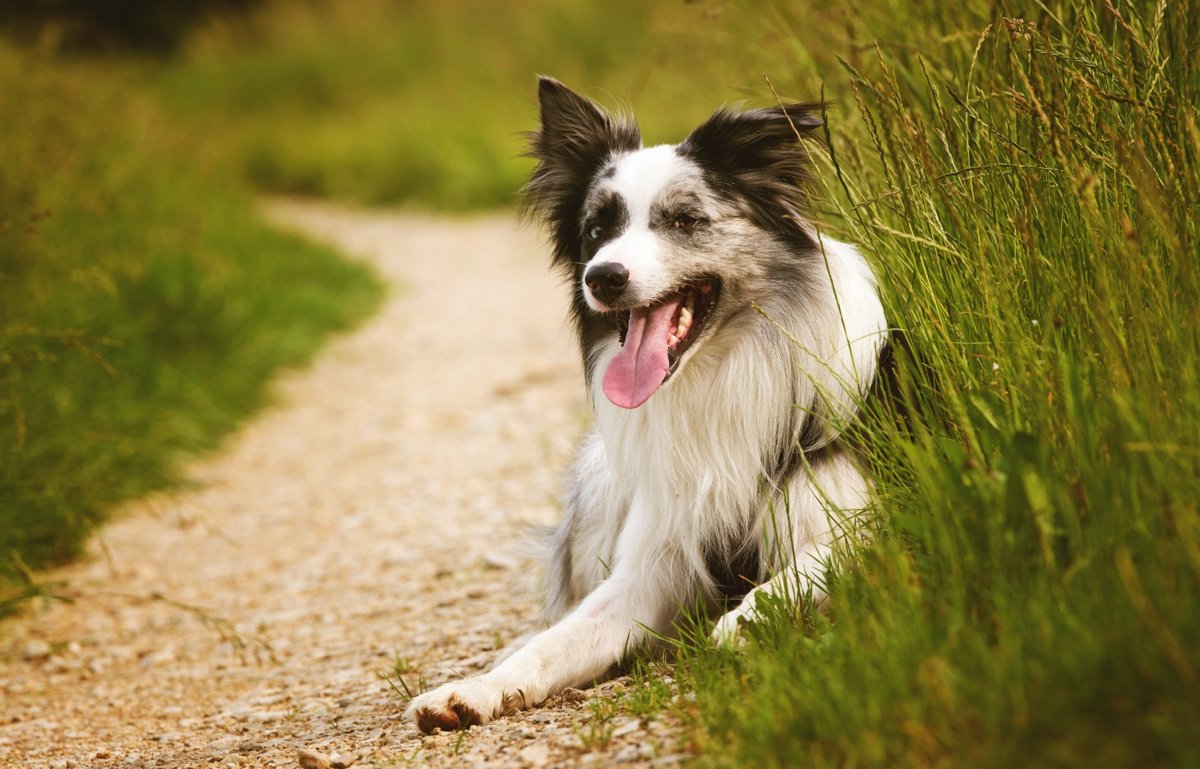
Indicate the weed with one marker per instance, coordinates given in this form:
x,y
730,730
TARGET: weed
x,y
595,730
651,690
401,665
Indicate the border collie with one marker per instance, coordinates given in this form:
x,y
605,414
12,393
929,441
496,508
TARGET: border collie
x,y
727,344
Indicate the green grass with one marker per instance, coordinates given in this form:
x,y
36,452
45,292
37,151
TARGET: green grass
x,y
1025,179
143,303
377,102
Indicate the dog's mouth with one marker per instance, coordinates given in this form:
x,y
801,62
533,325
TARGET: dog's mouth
x,y
654,339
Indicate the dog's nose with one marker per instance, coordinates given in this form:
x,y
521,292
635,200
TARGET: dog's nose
x,y
607,281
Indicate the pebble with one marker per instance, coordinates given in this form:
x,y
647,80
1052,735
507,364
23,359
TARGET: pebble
x,y
536,755
311,759
499,562
628,728
36,650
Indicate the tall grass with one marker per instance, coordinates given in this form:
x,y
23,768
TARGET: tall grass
x,y
1025,178
143,304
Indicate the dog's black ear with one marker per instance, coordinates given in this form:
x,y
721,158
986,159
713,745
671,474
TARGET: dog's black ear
x,y
575,130
755,141
576,138
756,155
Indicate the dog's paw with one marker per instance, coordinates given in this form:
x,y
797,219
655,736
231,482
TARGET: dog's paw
x,y
728,630
462,704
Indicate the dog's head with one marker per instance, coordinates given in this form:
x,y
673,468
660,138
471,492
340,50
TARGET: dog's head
x,y
663,244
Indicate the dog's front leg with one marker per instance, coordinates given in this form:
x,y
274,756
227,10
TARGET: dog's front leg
x,y
804,579
822,503
641,594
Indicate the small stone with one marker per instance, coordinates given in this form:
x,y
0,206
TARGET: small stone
x,y
499,562
157,657
267,716
36,650
311,759
537,754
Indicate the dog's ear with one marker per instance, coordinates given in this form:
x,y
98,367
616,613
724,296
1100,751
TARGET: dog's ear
x,y
756,155
575,140
755,141
575,130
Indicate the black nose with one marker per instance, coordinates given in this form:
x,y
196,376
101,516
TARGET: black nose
x,y
607,281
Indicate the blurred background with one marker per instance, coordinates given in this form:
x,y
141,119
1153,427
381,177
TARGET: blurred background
x,y
394,102
1023,175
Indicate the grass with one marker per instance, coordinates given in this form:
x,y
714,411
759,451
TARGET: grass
x,y
1025,178
143,303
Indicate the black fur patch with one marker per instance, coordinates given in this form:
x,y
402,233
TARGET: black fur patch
x,y
611,216
755,158
734,575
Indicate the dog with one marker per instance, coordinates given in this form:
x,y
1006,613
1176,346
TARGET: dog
x,y
727,345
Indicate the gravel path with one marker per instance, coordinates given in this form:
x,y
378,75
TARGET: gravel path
x,y
372,520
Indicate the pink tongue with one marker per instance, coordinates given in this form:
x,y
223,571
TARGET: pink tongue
x,y
641,366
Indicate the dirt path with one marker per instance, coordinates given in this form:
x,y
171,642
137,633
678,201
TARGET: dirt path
x,y
373,516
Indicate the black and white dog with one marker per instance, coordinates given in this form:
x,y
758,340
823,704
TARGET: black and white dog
x,y
726,345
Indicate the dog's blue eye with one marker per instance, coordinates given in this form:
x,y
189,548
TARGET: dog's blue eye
x,y
594,232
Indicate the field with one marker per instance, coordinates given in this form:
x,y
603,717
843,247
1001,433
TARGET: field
x,y
1024,178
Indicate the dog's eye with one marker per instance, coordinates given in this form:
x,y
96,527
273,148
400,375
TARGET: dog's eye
x,y
685,222
594,232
